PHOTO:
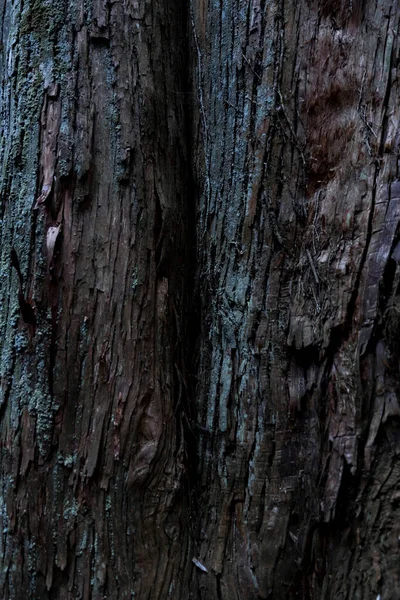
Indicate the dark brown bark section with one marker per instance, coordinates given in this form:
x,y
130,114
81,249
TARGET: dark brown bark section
x,y
298,231
95,201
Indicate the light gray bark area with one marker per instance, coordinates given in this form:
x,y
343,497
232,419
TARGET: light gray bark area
x,y
298,229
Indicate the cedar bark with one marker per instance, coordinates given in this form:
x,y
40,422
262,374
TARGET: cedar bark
x,y
298,250
94,202
252,425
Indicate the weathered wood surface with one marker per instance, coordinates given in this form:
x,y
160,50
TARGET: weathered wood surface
x,y
298,243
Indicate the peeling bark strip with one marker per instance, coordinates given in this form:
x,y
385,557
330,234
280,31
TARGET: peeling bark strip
x,y
50,122
298,114
92,461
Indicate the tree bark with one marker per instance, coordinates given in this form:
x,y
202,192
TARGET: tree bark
x,y
94,201
240,441
298,249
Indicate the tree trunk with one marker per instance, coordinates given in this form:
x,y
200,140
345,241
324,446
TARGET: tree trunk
x,y
94,196
299,251
273,472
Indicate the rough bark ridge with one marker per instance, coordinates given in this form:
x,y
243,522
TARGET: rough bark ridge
x,y
94,192
299,251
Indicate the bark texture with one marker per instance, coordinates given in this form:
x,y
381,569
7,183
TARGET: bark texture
x,y
298,396
94,201
277,475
